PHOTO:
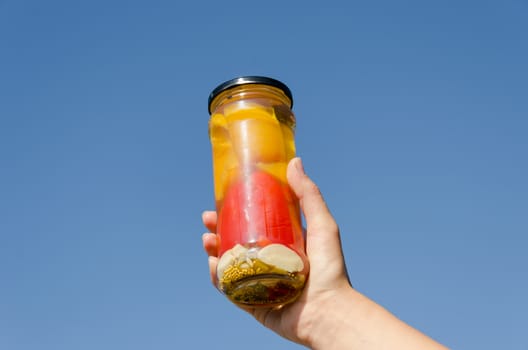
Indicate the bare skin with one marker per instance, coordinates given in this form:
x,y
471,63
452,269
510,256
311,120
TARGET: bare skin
x,y
330,314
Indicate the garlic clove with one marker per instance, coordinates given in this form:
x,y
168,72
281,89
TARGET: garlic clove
x,y
229,258
281,257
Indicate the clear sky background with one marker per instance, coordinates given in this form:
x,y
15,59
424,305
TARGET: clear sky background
x,y
412,118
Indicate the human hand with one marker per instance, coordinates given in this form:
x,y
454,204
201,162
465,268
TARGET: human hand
x,y
328,278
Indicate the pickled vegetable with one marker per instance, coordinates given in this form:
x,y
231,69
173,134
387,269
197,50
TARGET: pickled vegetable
x,y
267,276
257,206
225,162
256,135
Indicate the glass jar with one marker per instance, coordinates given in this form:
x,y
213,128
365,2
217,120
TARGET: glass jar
x,y
262,261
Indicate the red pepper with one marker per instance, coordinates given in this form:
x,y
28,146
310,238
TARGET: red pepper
x,y
256,210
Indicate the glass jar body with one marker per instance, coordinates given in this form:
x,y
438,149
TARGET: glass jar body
x,y
262,261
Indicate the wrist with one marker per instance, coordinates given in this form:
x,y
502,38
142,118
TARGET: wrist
x,y
338,317
348,320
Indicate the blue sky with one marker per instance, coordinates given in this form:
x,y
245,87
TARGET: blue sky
x,y
412,118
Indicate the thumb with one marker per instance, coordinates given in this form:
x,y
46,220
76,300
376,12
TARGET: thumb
x,y
322,232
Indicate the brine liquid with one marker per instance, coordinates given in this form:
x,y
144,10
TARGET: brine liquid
x,y
272,289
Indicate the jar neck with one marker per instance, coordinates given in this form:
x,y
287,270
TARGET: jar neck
x,y
251,91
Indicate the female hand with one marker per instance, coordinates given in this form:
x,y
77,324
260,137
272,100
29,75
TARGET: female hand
x,y
329,314
328,277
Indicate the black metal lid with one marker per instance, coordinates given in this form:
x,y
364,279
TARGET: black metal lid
x,y
251,79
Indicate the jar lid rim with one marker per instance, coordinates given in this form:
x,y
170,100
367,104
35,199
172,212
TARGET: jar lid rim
x,y
249,79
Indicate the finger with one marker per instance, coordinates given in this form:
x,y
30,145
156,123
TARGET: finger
x,y
213,262
210,244
209,220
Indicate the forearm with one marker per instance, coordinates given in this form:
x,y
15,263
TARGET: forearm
x,y
352,321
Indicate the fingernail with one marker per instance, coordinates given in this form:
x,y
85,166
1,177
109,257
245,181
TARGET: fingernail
x,y
299,166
